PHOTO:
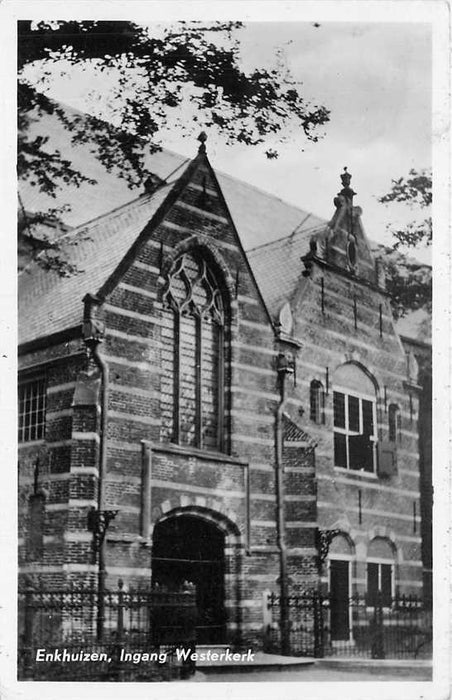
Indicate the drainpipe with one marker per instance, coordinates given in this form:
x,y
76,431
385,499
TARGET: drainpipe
x,y
92,333
283,368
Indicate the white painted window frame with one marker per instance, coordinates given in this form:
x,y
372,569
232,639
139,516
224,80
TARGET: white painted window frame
x,y
347,432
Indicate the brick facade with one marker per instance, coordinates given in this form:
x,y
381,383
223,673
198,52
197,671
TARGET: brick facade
x,y
338,319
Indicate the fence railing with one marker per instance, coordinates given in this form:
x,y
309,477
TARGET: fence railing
x,y
142,630
321,626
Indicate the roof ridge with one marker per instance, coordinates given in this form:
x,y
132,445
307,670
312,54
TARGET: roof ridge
x,y
288,236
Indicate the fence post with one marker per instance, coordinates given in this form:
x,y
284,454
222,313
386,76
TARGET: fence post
x,y
120,621
266,617
28,631
189,615
318,625
378,651
266,612
119,676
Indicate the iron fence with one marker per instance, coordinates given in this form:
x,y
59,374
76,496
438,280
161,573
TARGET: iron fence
x,y
398,629
60,639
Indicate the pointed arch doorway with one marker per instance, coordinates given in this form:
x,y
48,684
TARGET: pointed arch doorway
x,y
190,548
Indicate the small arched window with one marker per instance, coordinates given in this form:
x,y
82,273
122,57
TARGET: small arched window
x,y
192,382
394,423
317,402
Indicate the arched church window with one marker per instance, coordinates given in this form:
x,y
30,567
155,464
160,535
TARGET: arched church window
x,y
192,382
355,424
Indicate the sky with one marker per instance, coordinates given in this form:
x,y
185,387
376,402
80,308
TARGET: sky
x,y
375,78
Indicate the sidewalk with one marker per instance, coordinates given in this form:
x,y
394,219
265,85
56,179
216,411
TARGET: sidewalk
x,y
260,662
273,668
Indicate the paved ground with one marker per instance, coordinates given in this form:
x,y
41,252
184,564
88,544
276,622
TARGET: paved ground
x,y
318,673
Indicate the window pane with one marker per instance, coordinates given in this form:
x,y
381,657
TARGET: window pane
x,y
31,410
191,267
386,584
339,409
340,450
372,583
187,382
353,414
368,418
360,452
168,359
209,378
178,290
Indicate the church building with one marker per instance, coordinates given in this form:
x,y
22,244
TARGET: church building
x,y
218,394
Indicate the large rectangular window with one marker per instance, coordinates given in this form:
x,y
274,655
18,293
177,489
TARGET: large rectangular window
x,y
354,432
32,410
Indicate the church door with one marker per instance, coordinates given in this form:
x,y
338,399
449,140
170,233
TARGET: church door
x,y
188,548
339,599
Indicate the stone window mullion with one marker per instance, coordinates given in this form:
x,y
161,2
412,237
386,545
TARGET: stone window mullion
x,y
198,381
177,374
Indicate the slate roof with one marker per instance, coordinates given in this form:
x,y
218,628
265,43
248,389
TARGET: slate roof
x,y
293,433
49,303
277,266
274,234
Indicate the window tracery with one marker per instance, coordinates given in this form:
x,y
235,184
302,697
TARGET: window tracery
x,y
192,383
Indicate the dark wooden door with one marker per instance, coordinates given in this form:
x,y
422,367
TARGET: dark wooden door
x,y
187,548
339,599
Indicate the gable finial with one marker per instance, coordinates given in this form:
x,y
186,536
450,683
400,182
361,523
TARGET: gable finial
x,y
202,138
347,191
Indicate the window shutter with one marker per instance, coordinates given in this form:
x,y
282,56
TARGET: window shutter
x,y
387,459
